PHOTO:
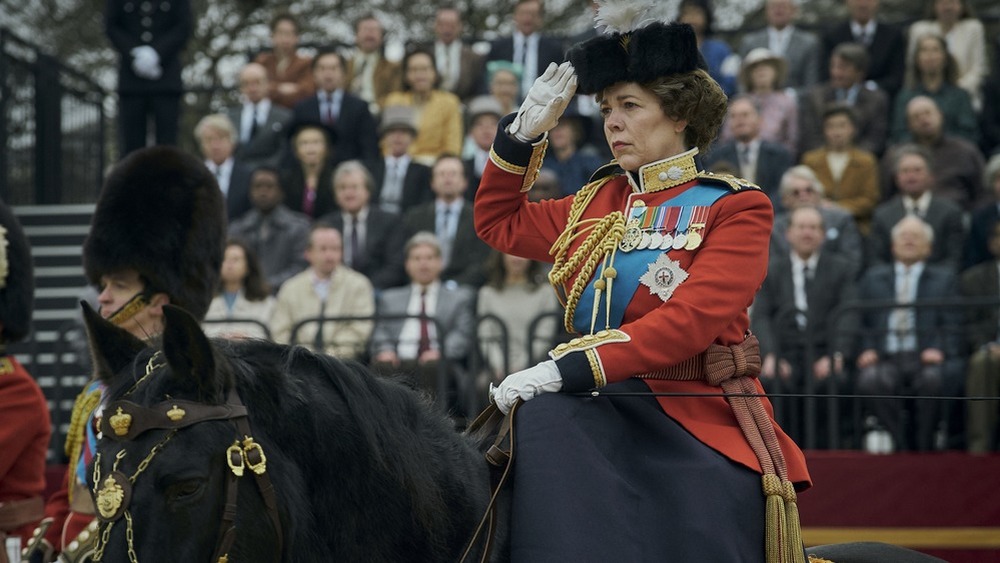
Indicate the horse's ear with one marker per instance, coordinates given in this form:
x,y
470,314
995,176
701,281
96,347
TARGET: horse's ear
x,y
189,353
112,348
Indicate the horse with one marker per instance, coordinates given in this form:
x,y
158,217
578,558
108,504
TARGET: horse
x,y
348,466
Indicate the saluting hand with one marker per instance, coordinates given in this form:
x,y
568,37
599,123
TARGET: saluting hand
x,y
545,103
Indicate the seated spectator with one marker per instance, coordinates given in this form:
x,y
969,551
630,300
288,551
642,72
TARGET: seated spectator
x,y
261,124
450,217
528,47
982,281
217,139
849,65
883,42
566,155
723,65
343,113
915,178
289,76
795,314
848,173
957,163
460,67
325,290
966,40
761,79
516,293
504,84
984,218
907,351
801,188
483,114
307,179
400,182
933,73
800,48
761,162
276,235
243,296
371,76
439,114
374,241
413,345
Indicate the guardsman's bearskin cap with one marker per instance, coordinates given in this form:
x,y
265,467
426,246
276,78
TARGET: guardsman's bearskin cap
x,y
17,281
641,55
160,213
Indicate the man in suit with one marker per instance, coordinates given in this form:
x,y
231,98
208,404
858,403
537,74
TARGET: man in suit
x,y
982,281
260,123
803,339
909,350
800,48
848,67
217,139
801,188
914,176
373,239
884,43
759,161
450,217
958,164
461,69
400,182
983,219
343,112
372,76
275,233
527,46
149,38
327,290
414,345
484,113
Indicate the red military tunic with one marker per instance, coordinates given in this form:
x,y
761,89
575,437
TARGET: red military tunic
x,y
25,429
709,306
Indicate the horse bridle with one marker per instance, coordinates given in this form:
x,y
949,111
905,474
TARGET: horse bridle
x,y
129,420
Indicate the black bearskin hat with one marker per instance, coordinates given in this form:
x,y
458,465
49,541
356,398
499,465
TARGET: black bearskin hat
x,y
642,55
160,213
17,281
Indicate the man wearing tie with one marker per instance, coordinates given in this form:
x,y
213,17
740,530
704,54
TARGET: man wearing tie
x,y
527,46
884,44
799,48
261,124
400,182
914,177
460,68
373,240
372,76
345,113
449,217
217,138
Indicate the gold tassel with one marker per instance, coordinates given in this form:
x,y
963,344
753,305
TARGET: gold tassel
x,y
775,518
84,405
793,530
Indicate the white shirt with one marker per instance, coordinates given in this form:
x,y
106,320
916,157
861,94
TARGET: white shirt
x,y
263,108
902,322
391,197
837,161
748,169
363,83
409,335
799,283
777,39
449,59
526,50
446,222
866,31
336,98
349,226
917,206
223,172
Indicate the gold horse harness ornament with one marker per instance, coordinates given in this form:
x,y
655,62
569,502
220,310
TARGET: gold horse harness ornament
x,y
113,493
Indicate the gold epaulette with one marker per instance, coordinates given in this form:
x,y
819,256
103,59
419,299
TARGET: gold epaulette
x,y
589,341
728,181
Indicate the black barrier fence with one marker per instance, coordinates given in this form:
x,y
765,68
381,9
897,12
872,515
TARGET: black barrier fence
x,y
52,128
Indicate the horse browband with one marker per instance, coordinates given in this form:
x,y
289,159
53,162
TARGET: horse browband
x,y
129,420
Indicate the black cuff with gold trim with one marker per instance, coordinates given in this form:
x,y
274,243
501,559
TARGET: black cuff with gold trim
x,y
510,150
580,371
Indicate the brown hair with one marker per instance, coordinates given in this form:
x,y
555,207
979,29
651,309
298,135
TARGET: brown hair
x,y
915,75
496,273
255,286
695,97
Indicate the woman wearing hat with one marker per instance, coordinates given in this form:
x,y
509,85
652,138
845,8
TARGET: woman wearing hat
x,y
762,77
308,181
656,263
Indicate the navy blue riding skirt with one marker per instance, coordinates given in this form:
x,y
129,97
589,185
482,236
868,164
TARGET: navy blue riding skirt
x,y
614,479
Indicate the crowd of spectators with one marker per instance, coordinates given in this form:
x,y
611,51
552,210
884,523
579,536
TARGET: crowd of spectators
x,y
350,179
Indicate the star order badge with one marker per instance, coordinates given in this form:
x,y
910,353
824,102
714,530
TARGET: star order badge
x,y
663,276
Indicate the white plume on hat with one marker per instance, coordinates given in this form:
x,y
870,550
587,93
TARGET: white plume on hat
x,y
622,16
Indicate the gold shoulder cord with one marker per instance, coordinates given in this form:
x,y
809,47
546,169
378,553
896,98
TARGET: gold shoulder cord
x,y
601,242
84,405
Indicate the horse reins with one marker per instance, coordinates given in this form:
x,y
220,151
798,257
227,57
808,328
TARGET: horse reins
x,y
129,420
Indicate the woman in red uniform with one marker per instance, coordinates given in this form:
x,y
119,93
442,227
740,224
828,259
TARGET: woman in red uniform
x,y
657,263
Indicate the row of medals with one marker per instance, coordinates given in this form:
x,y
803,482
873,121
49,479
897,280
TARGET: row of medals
x,y
637,239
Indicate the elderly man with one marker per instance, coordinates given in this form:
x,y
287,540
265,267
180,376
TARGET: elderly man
x,y
374,241
800,48
801,188
261,124
217,139
909,350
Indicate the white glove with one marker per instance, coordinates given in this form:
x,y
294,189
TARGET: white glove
x,y
545,103
146,62
527,384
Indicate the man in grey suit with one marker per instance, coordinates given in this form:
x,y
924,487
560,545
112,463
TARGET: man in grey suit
x,y
800,48
914,178
430,327
449,216
260,124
